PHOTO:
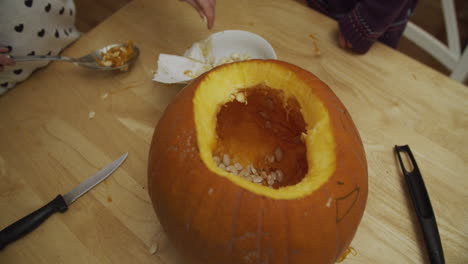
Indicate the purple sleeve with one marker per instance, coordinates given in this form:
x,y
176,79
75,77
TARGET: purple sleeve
x,y
363,25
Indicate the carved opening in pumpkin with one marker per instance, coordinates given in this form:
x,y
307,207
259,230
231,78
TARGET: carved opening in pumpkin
x,y
259,138
247,81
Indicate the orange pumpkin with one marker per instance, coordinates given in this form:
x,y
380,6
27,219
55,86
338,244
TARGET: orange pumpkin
x,y
246,111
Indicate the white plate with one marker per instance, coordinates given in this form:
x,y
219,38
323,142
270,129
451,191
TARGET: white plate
x,y
226,43
219,48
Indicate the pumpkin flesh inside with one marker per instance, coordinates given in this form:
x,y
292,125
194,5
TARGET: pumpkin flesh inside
x,y
264,131
299,124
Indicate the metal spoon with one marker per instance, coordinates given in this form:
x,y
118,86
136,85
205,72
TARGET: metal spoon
x,y
88,61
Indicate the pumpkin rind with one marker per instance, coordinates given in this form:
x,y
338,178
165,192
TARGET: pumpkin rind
x,y
212,220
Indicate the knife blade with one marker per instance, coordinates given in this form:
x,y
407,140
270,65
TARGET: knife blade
x,y
59,204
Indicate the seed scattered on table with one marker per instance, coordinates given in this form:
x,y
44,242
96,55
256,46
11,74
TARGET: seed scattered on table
x,y
154,248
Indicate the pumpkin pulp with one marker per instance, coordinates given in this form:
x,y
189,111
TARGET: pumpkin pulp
x,y
299,124
250,132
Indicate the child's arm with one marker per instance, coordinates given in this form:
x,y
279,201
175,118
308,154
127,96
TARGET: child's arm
x,y
206,8
369,20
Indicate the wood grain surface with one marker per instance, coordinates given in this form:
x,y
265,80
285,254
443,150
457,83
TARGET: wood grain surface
x,y
48,142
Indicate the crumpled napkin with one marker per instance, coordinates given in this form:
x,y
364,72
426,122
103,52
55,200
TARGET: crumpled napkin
x,y
178,69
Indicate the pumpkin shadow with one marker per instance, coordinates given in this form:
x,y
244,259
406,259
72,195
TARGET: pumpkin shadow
x,y
412,213
173,89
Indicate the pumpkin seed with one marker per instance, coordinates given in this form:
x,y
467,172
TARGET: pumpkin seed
x,y
154,248
217,160
249,173
263,114
240,97
226,160
279,175
238,166
278,154
270,158
257,179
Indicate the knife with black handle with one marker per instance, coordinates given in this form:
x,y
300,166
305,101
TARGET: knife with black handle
x,y
59,204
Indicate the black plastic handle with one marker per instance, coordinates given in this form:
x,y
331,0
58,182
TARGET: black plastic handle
x,y
31,221
433,242
422,204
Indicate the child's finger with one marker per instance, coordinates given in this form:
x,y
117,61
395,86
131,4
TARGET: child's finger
x,y
343,42
208,7
195,5
5,60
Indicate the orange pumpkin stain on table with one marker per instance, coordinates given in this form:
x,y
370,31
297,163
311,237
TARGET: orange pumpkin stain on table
x,y
315,44
109,199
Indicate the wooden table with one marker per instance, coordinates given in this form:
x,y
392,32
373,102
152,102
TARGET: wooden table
x,y
48,143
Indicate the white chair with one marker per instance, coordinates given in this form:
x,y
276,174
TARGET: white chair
x,y
449,55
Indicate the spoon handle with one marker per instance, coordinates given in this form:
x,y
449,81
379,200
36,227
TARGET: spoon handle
x,y
43,58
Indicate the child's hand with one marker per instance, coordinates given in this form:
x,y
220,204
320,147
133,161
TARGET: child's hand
x,y
206,8
4,59
343,42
